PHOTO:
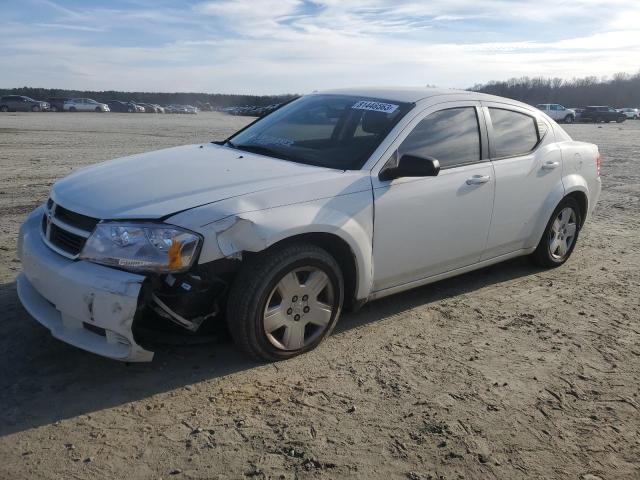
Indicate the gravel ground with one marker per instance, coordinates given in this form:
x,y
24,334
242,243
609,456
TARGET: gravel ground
x,y
509,372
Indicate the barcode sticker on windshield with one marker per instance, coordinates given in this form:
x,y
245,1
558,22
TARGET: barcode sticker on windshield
x,y
375,106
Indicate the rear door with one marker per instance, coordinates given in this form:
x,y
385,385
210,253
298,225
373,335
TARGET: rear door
x,y
431,225
528,170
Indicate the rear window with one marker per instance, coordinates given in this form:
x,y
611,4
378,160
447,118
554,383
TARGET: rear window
x,y
514,133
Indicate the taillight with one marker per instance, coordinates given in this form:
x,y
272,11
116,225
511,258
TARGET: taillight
x,y
598,163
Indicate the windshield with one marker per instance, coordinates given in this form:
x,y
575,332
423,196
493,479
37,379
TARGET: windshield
x,y
335,131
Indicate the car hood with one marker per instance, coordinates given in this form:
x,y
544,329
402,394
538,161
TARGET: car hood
x,y
160,183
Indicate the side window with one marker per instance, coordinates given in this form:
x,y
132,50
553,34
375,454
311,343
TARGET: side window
x,y
514,133
555,107
451,136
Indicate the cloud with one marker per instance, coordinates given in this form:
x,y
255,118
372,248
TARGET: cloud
x,y
273,46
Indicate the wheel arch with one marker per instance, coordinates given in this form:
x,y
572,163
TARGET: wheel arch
x,y
339,249
583,202
577,187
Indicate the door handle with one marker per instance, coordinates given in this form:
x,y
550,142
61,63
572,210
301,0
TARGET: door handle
x,y
478,179
550,165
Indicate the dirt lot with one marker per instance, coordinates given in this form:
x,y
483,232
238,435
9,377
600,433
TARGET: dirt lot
x,y
509,372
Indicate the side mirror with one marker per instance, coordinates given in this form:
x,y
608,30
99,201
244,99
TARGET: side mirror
x,y
411,166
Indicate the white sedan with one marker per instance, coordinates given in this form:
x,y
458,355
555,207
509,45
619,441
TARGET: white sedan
x,y
85,105
333,200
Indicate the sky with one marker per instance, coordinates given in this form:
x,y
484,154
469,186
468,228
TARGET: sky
x,y
297,46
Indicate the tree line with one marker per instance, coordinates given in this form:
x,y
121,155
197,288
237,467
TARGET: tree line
x,y
215,100
622,90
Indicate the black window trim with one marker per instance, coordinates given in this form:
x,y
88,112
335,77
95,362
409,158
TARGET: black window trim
x,y
514,109
482,135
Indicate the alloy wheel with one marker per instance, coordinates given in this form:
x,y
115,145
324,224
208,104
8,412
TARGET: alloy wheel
x,y
299,308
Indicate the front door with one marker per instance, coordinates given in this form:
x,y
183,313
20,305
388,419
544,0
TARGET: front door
x,y
427,226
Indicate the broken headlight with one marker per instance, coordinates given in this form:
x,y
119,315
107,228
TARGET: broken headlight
x,y
142,247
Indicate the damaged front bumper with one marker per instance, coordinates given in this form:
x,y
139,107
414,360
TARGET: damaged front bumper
x,y
86,305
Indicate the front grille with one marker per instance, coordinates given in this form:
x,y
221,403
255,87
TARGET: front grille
x,y
67,241
65,231
75,219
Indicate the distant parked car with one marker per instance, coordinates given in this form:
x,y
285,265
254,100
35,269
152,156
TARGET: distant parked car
x,y
175,109
149,108
601,113
57,103
578,111
138,107
630,113
190,109
19,103
120,106
159,108
558,112
85,105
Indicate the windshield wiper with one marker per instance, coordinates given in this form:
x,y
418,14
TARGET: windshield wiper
x,y
261,150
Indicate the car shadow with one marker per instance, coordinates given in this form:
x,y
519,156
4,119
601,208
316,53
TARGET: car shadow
x,y
43,380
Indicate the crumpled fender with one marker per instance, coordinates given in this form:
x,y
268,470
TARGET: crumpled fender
x,y
349,217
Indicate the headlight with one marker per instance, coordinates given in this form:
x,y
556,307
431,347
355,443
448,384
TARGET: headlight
x,y
142,247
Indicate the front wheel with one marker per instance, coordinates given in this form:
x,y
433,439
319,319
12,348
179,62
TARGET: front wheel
x,y
621,119
35,108
98,109
568,119
285,301
560,235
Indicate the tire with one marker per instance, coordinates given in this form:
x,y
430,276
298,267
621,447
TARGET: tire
x,y
568,119
54,108
598,120
277,280
621,119
4,108
73,109
35,108
98,109
554,249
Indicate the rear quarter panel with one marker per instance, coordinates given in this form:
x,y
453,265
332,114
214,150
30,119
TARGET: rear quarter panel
x,y
579,170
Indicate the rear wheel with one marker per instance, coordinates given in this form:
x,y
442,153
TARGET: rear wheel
x,y
285,302
621,119
4,108
598,120
560,235
73,109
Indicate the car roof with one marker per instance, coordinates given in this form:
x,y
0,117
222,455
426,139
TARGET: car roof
x,y
407,94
